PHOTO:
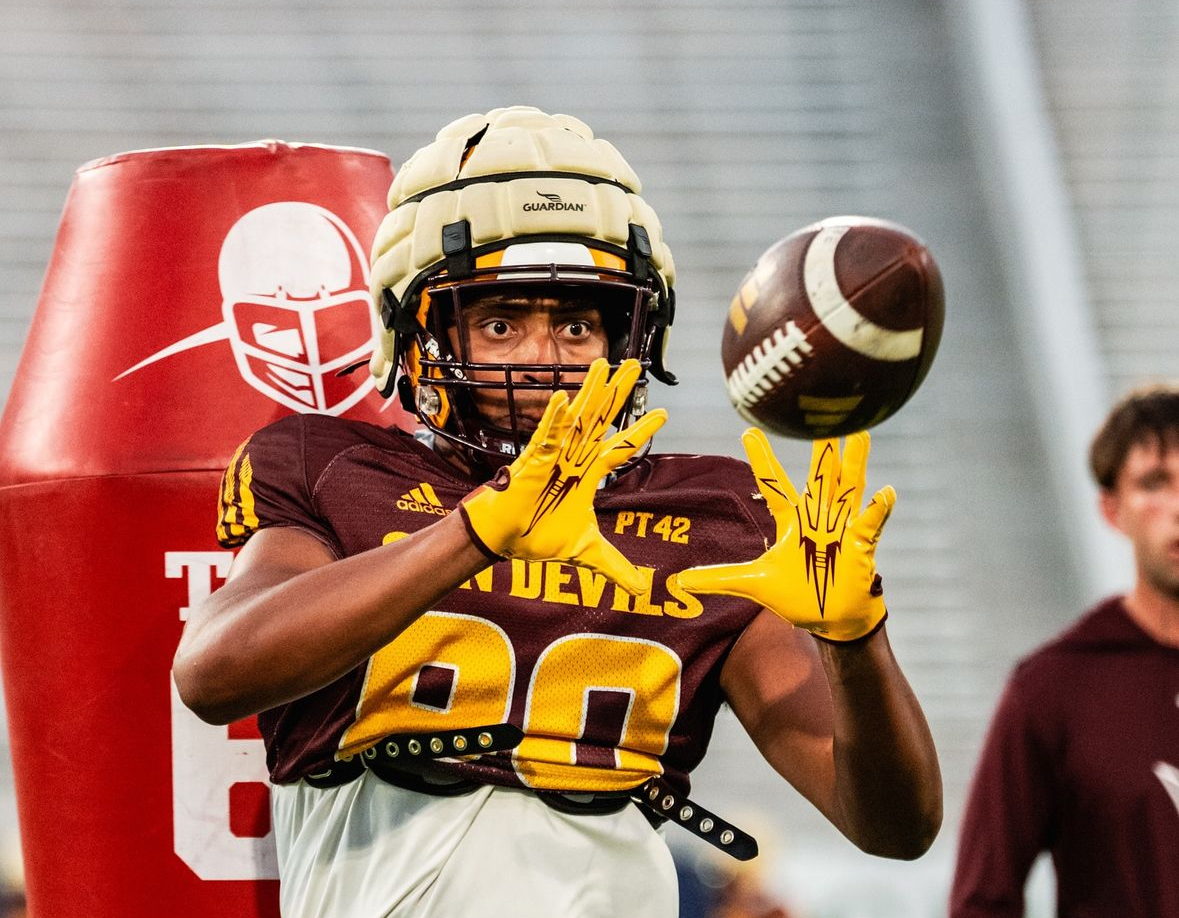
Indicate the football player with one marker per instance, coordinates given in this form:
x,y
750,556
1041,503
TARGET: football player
x,y
485,659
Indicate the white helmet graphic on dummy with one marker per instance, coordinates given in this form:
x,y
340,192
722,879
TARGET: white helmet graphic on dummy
x,y
295,304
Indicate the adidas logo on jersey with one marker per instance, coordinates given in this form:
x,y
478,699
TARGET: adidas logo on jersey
x,y
422,499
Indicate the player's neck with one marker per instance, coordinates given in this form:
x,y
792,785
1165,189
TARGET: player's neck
x,y
1156,612
458,460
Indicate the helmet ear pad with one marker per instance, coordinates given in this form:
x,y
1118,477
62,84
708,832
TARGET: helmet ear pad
x,y
407,393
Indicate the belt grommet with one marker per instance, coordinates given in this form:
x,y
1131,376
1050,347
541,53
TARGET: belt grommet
x,y
346,758
485,739
726,837
413,747
436,745
685,814
460,742
653,793
705,825
667,802
370,753
392,749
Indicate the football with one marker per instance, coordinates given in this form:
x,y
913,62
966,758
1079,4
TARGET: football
x,y
833,329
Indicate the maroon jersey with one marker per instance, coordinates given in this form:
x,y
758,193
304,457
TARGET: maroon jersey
x,y
608,688
1082,760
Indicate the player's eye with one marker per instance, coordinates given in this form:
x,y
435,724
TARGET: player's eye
x,y
579,329
497,328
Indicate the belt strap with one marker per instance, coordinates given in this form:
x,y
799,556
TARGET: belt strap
x,y
400,749
656,796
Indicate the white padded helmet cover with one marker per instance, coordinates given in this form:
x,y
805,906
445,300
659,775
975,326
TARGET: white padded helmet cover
x,y
493,190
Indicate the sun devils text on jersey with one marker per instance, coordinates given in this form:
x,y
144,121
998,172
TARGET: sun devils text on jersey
x,y
608,688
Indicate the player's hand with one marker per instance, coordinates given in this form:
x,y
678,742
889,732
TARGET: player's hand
x,y
540,508
820,573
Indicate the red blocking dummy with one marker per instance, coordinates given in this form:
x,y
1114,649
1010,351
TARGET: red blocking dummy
x,y
194,295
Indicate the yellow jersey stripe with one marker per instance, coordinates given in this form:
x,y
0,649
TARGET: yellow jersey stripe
x,y
246,495
227,519
431,497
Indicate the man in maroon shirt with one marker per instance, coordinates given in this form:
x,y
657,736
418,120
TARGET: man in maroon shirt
x,y
1082,759
472,651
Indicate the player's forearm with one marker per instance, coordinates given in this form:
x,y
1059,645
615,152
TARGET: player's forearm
x,y
254,645
887,780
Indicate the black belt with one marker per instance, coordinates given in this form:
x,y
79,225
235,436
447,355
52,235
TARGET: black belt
x,y
395,753
656,799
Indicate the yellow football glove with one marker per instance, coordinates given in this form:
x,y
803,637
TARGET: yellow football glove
x,y
540,508
820,573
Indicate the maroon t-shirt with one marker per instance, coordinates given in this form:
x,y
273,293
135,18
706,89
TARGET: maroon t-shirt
x,y
1082,760
608,688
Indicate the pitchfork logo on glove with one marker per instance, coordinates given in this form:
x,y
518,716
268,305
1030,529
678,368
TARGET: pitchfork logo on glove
x,y
820,573
821,522
578,452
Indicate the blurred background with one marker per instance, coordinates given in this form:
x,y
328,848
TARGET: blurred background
x,y
1031,143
